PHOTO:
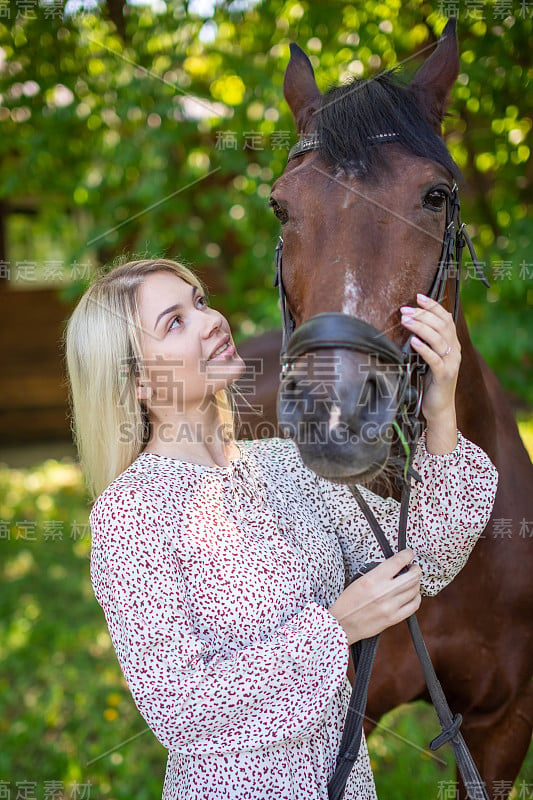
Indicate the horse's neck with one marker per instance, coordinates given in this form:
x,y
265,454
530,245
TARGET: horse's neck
x,y
476,418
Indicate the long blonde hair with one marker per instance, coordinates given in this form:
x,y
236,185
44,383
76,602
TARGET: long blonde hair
x,y
109,424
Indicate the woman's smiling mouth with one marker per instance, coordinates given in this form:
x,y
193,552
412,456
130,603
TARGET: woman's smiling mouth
x,y
225,350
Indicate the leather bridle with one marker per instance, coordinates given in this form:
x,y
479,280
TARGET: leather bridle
x,y
334,330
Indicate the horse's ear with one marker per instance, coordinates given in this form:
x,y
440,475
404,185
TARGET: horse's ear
x,y
300,89
433,81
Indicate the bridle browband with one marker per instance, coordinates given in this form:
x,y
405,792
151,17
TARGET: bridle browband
x,y
334,330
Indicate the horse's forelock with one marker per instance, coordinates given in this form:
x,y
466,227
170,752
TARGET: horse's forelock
x,y
354,118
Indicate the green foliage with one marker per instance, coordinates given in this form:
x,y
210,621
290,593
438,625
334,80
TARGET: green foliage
x,y
146,143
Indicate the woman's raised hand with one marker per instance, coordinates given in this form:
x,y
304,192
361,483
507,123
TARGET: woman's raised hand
x,y
440,348
380,598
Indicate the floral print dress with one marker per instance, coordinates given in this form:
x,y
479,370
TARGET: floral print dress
x,y
215,584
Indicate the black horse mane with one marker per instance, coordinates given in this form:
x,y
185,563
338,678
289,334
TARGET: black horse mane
x,y
352,117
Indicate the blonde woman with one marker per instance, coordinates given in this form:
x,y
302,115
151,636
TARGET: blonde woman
x,y
220,564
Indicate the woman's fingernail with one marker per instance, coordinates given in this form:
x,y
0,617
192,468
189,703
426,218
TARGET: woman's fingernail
x,y
422,298
416,340
407,309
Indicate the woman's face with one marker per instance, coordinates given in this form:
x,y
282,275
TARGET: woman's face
x,y
187,347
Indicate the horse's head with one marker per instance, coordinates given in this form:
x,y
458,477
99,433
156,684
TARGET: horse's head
x,y
363,214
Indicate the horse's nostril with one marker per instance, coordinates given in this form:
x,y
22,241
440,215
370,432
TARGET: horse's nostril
x,y
290,385
368,398
373,407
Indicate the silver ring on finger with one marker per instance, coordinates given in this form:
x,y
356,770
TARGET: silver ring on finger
x,y
447,352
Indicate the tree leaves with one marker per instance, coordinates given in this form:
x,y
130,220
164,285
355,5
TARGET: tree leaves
x,y
114,129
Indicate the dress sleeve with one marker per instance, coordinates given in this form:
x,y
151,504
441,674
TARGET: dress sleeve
x,y
195,699
448,511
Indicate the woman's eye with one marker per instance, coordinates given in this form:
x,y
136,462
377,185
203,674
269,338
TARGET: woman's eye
x,y
279,211
174,319
203,303
435,200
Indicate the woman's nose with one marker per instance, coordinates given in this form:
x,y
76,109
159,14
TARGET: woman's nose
x,y
213,324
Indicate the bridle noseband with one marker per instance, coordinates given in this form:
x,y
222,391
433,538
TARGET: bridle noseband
x,y
333,330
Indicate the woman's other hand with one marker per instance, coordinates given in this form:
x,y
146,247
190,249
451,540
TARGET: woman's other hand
x,y
380,598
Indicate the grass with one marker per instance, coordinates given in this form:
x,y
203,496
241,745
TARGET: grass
x,y
404,769
68,725
63,702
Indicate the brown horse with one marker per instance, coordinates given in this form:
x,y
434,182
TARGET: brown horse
x,y
363,224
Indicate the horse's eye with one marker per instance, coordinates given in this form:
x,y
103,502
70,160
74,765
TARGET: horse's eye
x,y
435,200
279,211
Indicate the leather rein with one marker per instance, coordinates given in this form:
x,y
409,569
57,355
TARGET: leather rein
x,y
338,330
